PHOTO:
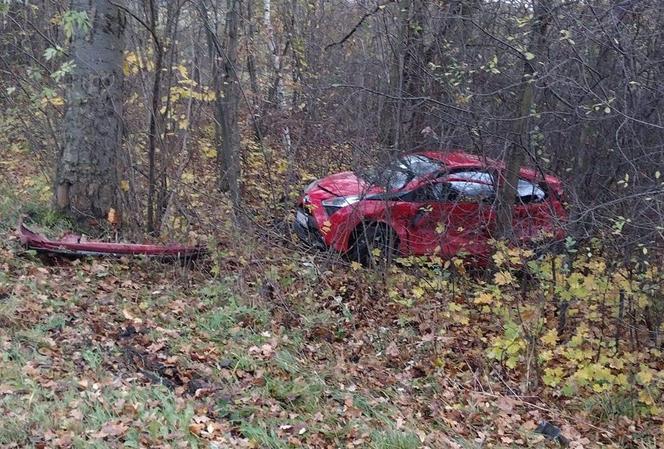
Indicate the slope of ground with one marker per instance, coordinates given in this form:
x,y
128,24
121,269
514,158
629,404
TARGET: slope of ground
x,y
264,346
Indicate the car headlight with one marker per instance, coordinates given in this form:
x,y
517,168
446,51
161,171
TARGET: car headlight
x,y
334,204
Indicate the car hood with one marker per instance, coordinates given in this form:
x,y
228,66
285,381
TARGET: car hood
x,y
344,184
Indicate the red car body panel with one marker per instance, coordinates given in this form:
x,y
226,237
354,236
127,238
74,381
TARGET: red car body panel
x,y
447,228
74,245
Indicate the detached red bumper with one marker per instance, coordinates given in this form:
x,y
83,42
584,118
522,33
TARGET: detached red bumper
x,y
72,245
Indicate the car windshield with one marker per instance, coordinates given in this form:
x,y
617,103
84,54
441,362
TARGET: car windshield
x,y
403,170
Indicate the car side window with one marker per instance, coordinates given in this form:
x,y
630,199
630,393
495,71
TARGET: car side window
x,y
473,192
529,192
426,193
480,176
432,192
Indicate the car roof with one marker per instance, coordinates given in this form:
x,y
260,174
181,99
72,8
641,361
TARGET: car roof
x,y
457,158
460,159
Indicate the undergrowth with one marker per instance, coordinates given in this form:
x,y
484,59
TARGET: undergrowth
x,y
262,345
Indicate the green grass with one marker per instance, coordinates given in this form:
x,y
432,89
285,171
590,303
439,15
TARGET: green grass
x,y
608,407
261,436
93,358
299,394
394,439
33,206
9,306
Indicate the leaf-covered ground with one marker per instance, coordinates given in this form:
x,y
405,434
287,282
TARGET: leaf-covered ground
x,y
264,345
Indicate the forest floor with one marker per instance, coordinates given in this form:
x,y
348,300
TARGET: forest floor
x,y
264,345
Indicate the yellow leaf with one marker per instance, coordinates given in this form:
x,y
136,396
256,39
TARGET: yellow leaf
x,y
124,185
112,217
57,101
208,151
209,96
483,298
645,376
545,355
503,278
643,301
598,388
553,376
183,71
550,338
646,398
621,379
282,166
585,373
178,223
355,266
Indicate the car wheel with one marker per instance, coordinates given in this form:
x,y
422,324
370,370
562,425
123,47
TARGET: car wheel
x,y
375,245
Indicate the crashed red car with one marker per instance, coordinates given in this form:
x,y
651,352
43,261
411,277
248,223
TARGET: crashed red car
x,y
424,204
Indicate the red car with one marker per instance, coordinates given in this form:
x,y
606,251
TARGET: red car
x,y
423,204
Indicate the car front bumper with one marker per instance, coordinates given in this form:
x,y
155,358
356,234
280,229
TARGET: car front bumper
x,y
307,229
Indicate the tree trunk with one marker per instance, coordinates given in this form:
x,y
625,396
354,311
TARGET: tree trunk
x,y
230,105
517,151
154,131
251,58
228,93
398,128
256,114
86,179
276,94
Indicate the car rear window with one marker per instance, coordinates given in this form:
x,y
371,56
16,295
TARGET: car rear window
x,y
529,192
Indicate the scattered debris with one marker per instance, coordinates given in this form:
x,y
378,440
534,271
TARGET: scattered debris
x,y
552,432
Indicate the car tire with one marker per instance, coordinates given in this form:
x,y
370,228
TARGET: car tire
x,y
375,245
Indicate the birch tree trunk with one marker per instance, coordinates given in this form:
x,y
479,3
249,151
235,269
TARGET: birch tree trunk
x,y
251,58
86,179
276,94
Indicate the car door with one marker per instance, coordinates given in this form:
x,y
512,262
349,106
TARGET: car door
x,y
532,215
470,217
423,213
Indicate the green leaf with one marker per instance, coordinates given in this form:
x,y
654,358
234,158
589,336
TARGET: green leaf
x,y
75,19
50,53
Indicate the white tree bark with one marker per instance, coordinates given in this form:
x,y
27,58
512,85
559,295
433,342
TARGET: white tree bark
x,y
276,93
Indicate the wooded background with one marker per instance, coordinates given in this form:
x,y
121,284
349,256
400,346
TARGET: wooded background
x,y
117,96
